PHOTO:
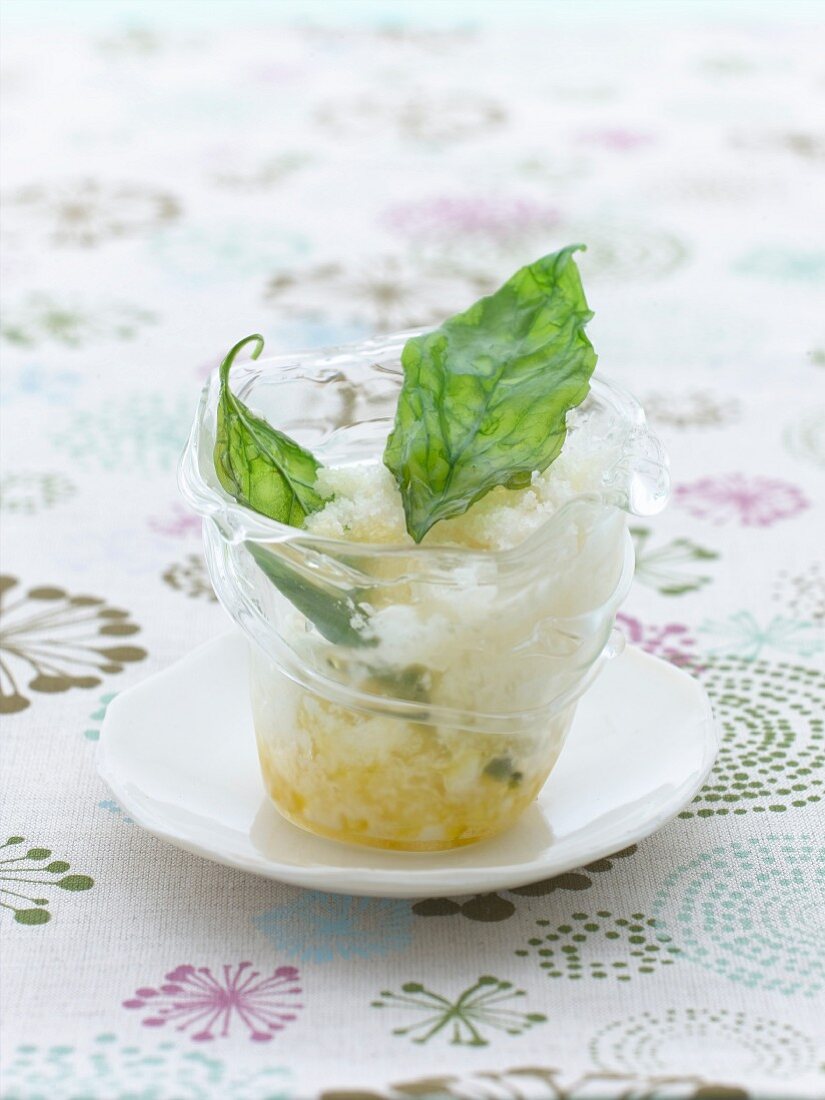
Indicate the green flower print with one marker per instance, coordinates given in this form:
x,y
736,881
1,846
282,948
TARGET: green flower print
x,y
671,567
493,907
668,1041
618,948
25,493
26,875
482,1008
805,437
43,319
773,747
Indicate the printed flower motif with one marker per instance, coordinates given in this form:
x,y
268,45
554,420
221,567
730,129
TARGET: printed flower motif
x,y
385,294
618,139
492,907
447,218
194,997
42,318
97,716
803,594
207,254
24,493
623,947
751,912
549,1083
141,431
671,641
465,1020
84,213
805,438
421,117
318,927
751,501
772,754
264,175
178,522
57,637
626,252
54,385
112,807
669,568
740,635
782,264
667,1043
106,1067
694,409
31,870
191,577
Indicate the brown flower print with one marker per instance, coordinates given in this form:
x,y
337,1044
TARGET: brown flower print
x,y
84,213
386,293
493,907
51,642
420,117
694,409
190,577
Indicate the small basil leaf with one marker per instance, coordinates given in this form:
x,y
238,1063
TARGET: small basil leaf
x,y
485,396
256,464
335,614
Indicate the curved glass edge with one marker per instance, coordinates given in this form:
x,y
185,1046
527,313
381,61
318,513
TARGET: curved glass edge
x,y
638,482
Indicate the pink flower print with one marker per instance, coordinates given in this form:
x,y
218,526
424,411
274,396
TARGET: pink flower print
x,y
176,524
617,138
495,219
751,501
195,997
672,641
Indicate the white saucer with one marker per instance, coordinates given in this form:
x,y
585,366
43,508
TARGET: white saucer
x,y
178,752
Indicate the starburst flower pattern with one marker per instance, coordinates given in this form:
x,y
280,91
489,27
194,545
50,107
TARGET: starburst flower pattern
x,y
669,567
85,213
667,1041
750,501
25,493
141,431
194,998
671,641
42,318
447,218
177,523
694,409
23,876
62,640
772,754
490,908
106,1067
751,912
805,437
92,732
803,593
479,1009
190,577
430,119
112,807
742,635
320,927
386,293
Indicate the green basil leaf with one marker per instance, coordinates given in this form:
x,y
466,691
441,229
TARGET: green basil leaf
x,y
259,466
485,396
335,614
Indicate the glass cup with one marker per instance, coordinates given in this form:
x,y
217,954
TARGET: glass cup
x,y
414,697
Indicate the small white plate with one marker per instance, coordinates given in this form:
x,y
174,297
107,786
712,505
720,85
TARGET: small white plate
x,y
178,752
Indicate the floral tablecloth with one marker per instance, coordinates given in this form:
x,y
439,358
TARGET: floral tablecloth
x,y
169,187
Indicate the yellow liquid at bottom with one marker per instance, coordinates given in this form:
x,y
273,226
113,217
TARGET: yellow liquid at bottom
x,y
418,788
